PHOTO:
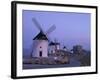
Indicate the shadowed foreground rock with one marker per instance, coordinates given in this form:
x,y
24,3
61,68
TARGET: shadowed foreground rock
x,y
60,57
48,61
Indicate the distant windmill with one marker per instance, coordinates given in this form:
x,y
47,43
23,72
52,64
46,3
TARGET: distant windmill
x,y
57,45
41,40
64,48
54,46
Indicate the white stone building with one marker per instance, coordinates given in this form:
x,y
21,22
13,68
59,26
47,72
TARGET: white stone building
x,y
40,46
53,47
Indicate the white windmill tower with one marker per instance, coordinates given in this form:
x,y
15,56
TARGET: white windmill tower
x,y
41,41
54,46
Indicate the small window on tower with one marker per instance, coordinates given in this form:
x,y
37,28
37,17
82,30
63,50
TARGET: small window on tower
x,y
40,47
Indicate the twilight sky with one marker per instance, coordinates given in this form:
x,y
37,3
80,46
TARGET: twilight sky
x,y
71,28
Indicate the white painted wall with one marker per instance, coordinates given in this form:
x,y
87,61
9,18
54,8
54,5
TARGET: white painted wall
x,y
58,47
44,48
52,48
65,49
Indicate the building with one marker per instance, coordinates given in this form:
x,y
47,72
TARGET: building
x,y
77,49
65,49
40,46
53,46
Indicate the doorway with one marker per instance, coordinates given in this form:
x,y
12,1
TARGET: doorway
x,y
40,53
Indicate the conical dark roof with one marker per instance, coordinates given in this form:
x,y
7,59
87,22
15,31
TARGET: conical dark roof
x,y
54,43
40,36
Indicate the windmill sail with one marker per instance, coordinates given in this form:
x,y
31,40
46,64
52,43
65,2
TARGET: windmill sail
x,y
37,24
51,29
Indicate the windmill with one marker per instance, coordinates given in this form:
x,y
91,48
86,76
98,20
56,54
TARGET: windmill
x,y
54,46
41,40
